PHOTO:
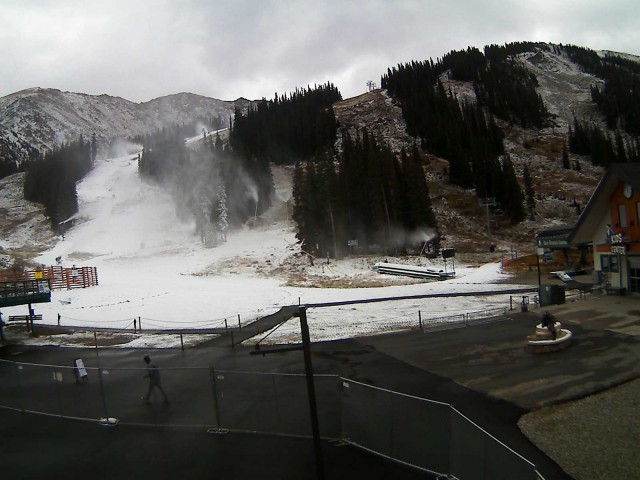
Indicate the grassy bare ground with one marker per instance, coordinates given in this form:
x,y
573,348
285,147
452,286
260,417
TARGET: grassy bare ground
x,y
77,337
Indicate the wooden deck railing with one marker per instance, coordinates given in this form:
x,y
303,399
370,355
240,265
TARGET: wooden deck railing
x,y
58,277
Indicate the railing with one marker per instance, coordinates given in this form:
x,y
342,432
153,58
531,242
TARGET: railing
x,y
58,277
464,319
19,292
427,435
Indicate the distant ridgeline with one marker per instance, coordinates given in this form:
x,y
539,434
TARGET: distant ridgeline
x,y
363,195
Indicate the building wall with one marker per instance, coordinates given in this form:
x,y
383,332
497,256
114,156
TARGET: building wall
x,y
628,228
632,222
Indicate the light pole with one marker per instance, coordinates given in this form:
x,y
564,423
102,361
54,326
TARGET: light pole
x,y
311,390
539,252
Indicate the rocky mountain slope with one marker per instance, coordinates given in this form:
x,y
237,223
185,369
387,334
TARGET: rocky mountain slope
x,y
560,193
41,118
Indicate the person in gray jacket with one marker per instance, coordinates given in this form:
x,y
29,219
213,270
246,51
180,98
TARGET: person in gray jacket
x,y
153,374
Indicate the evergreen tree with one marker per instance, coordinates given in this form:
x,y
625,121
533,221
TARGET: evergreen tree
x,y
529,192
300,209
368,195
511,198
287,128
94,148
566,162
51,181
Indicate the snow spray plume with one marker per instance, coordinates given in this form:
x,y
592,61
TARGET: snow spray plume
x,y
120,147
200,128
195,187
411,238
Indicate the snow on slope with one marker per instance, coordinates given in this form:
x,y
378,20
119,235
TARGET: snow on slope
x,y
151,265
565,88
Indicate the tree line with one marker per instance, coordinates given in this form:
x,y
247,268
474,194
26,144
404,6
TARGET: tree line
x,y
459,131
619,98
506,88
14,156
603,148
51,179
366,199
289,127
230,182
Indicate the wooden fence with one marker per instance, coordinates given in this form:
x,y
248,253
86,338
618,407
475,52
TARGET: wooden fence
x,y
59,277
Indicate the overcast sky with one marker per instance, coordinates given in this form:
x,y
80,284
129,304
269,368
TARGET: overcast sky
x,y
143,49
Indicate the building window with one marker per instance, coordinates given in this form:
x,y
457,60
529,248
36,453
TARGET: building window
x,y
609,263
622,216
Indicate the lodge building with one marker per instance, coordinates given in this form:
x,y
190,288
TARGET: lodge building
x,y
610,222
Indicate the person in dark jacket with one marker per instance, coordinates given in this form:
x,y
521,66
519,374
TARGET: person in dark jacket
x,y
549,322
153,374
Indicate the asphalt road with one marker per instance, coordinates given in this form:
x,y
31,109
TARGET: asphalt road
x,y
37,446
483,371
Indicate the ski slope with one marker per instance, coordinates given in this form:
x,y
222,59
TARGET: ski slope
x,y
152,267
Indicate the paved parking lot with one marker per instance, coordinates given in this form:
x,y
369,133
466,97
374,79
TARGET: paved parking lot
x,y
483,371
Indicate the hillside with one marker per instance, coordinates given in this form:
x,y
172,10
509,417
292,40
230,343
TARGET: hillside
x,y
565,90
37,119
40,118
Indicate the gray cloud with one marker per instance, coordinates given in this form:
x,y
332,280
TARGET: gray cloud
x,y
226,49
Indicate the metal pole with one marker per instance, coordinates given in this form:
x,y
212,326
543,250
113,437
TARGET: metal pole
x,y
56,381
104,400
313,409
20,390
539,280
214,389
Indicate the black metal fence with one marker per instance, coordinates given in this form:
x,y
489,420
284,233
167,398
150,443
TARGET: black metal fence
x,y
424,434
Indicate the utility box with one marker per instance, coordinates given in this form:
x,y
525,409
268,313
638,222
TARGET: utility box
x,y
551,295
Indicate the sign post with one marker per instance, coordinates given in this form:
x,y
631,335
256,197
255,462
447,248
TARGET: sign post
x,y
351,243
538,253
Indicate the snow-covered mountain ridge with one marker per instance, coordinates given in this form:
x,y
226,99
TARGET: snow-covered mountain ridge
x,y
42,117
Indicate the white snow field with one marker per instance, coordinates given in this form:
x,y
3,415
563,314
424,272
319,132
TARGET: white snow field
x,y
152,266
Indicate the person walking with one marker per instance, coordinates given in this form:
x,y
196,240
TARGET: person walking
x,y
153,374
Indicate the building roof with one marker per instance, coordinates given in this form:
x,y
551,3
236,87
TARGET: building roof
x,y
555,230
554,237
596,209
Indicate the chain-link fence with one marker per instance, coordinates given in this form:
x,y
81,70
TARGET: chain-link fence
x,y
424,434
